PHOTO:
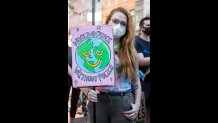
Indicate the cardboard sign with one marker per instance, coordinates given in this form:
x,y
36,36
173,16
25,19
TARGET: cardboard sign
x,y
92,56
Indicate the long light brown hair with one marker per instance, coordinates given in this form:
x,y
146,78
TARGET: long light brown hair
x,y
126,52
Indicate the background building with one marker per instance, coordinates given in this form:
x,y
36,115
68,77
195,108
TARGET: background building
x,y
142,10
108,5
80,11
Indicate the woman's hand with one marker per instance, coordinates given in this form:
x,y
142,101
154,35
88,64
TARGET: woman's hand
x,y
92,95
132,114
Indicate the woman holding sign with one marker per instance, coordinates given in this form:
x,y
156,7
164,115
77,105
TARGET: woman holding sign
x,y
117,104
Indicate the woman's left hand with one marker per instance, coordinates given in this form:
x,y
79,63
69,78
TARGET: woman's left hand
x,y
132,114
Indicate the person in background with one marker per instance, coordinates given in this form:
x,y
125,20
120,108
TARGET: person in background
x,y
143,53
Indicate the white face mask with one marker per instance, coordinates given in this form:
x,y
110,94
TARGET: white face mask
x,y
118,30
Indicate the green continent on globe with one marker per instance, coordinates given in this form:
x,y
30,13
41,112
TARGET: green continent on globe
x,y
102,53
85,48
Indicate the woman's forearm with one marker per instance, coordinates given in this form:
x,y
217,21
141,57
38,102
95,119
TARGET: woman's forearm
x,y
138,93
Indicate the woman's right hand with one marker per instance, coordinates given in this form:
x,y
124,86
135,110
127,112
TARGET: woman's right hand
x,y
93,95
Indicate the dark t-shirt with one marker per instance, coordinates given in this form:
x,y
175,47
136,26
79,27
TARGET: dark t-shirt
x,y
143,47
